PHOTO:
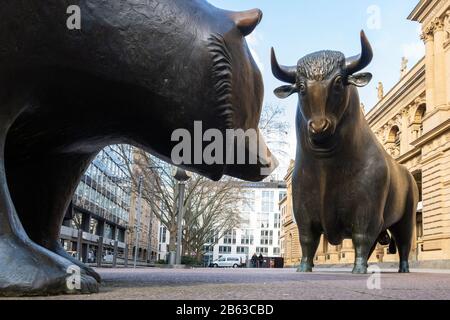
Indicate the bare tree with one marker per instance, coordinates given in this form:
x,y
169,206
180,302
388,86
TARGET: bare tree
x,y
274,129
210,207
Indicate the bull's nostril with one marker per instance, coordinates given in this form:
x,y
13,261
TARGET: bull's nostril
x,y
319,126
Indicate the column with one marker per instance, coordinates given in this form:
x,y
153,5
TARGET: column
x,y
440,80
101,228
405,145
428,38
85,222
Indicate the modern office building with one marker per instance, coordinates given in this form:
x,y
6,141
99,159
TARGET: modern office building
x,y
259,230
100,207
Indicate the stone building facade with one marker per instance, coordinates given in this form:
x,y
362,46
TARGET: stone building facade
x,y
143,223
290,244
412,121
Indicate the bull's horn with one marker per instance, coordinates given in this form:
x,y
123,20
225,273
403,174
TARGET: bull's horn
x,y
283,73
246,21
359,62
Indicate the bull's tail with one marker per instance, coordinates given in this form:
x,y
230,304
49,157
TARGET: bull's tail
x,y
392,247
385,239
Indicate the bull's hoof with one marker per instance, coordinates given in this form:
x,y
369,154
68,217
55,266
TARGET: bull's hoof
x,y
305,267
360,269
404,267
27,269
58,249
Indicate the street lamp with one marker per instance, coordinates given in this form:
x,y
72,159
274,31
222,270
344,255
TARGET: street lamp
x,y
138,222
182,177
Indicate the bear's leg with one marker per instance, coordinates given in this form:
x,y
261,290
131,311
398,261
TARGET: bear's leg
x,y
25,267
53,179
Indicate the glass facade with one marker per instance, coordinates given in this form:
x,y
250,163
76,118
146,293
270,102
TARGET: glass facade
x,y
105,189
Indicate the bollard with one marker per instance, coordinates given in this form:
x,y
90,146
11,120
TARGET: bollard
x,y
80,245
116,252
100,252
125,253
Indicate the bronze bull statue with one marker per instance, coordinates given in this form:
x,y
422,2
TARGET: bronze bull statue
x,y
133,73
345,185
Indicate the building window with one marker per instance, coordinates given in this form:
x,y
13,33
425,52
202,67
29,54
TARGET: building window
x,y
247,237
276,251
224,249
263,220
276,221
418,119
242,250
281,195
213,239
394,141
76,221
208,249
249,201
267,204
162,234
419,225
266,237
262,250
108,231
230,237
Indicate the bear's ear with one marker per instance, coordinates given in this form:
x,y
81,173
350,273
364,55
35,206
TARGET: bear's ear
x,y
285,91
360,79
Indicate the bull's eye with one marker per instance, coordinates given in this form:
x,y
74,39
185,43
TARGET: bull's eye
x,y
302,88
338,83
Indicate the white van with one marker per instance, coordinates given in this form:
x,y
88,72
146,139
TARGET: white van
x,y
228,262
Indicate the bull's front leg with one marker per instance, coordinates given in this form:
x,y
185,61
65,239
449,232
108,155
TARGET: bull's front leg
x,y
309,241
366,229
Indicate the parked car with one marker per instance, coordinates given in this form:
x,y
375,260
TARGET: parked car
x,y
227,262
108,258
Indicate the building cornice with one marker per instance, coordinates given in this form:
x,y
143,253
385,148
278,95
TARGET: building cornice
x,y
427,137
427,9
418,12
413,79
409,155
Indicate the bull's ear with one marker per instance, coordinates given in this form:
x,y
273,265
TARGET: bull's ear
x,y
285,91
360,79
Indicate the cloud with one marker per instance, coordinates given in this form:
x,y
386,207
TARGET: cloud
x,y
414,50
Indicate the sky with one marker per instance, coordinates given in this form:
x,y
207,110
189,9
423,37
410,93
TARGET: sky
x,y
299,27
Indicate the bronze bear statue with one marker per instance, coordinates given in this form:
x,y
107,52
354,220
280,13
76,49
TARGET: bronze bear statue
x,y
133,73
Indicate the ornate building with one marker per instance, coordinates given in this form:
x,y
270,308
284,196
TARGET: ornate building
x,y
290,245
412,121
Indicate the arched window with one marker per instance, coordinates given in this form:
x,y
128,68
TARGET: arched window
x,y
393,141
418,117
394,135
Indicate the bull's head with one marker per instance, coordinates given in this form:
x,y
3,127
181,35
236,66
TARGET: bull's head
x,y
325,82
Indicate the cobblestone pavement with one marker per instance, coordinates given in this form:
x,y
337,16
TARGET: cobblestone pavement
x,y
265,284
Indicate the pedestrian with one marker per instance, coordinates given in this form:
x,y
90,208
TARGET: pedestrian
x,y
260,260
254,260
